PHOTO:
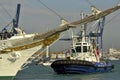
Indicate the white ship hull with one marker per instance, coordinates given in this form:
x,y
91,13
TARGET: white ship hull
x,y
9,66
11,62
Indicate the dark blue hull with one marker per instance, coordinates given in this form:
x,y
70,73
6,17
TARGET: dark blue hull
x,y
79,67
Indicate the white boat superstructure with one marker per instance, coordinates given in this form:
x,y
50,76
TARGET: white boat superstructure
x,y
84,49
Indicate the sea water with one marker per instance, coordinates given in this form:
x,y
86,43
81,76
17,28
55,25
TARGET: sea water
x,y
39,72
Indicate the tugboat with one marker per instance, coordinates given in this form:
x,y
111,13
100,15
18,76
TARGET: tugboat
x,y
84,55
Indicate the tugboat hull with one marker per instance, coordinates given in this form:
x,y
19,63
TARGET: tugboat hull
x,y
79,67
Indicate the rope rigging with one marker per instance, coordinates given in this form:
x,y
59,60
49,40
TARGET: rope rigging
x,y
5,10
118,2
89,3
115,16
51,10
111,18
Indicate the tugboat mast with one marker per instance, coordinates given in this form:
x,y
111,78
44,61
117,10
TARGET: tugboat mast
x,y
82,28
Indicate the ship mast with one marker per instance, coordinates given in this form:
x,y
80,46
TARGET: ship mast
x,y
82,28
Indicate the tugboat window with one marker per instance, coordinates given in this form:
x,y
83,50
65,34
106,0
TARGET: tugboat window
x,y
84,48
73,51
78,49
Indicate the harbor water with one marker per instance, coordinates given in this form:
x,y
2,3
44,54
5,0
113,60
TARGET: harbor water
x,y
39,72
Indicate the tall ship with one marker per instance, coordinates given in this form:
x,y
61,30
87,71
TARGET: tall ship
x,y
16,47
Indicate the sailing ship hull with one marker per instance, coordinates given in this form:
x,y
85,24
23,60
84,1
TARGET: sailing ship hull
x,y
79,67
11,63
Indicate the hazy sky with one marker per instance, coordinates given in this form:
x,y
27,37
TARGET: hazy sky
x,y
34,17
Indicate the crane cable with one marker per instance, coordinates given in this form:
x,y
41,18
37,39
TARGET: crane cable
x,y
89,3
7,25
112,18
7,14
5,10
51,9
118,2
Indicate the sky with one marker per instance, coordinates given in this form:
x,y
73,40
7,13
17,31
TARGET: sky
x,y
35,17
